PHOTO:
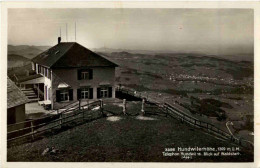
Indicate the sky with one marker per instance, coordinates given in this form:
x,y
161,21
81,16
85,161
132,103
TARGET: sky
x,y
210,31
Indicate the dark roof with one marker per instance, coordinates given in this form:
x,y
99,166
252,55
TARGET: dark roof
x,y
70,54
15,96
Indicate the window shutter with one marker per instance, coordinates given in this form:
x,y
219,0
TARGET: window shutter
x,y
57,95
71,94
90,93
110,92
98,93
79,94
90,74
79,74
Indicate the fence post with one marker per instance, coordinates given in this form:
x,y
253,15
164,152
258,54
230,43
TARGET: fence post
x,y
142,110
124,106
166,109
83,115
101,107
32,130
60,119
239,141
79,103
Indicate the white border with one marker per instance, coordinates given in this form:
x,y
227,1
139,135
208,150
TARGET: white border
x,y
124,4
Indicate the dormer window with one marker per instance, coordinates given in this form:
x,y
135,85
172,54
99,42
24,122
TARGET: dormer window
x,y
85,74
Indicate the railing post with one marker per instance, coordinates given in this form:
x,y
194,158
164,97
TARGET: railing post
x,y
124,106
166,109
142,110
101,107
60,119
239,141
83,115
79,104
32,130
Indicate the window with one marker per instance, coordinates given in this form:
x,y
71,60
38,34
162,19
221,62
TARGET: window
x,y
84,93
104,92
36,68
33,66
84,74
45,72
39,69
64,95
42,70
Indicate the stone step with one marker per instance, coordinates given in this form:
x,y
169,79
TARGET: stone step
x,y
28,94
30,89
32,96
27,91
34,100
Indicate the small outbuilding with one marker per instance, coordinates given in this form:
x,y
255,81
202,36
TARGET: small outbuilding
x,y
16,101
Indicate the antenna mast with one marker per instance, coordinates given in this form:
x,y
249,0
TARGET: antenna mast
x,y
66,32
75,31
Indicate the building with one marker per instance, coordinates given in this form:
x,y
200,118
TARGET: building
x,y
72,72
16,101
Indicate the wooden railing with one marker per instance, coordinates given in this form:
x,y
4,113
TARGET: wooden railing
x,y
80,112
30,129
176,113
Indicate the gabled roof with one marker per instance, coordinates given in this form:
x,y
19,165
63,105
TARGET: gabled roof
x,y
70,54
15,96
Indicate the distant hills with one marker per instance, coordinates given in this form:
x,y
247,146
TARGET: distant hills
x,y
21,55
26,50
17,60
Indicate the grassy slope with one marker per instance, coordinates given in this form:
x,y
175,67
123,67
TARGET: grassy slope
x,y
128,140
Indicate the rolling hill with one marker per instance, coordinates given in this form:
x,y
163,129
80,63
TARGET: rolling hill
x,y
17,60
26,50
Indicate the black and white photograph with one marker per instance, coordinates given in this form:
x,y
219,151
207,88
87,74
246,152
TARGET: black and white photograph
x,y
130,85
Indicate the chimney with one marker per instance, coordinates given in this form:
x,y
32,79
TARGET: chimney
x,y
59,40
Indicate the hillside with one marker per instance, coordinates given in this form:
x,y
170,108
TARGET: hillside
x,y
178,77
17,60
26,50
123,139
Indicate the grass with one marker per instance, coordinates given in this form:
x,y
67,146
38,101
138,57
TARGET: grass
x,y
127,139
